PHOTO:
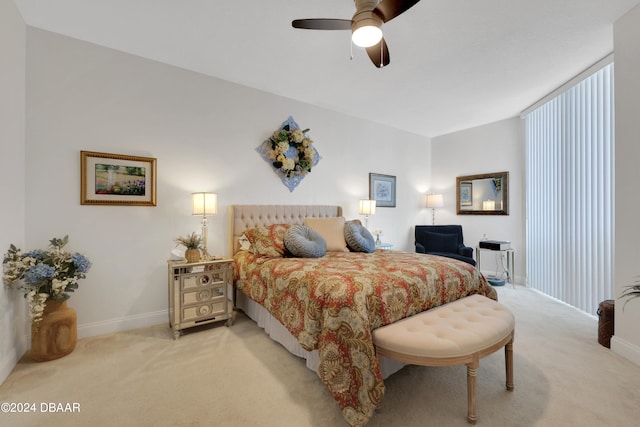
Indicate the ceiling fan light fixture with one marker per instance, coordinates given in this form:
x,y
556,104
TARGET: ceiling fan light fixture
x,y
366,36
365,28
365,25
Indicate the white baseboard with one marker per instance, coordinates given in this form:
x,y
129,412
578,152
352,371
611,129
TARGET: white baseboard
x,y
123,324
7,365
625,349
10,360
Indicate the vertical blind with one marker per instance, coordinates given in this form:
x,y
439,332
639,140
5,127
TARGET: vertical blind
x,y
570,193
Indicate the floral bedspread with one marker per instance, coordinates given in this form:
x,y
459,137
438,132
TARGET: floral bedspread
x,y
333,303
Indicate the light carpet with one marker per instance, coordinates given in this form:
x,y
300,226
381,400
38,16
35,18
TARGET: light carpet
x,y
237,376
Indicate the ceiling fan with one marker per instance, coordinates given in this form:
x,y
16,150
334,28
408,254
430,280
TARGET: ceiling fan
x,y
365,25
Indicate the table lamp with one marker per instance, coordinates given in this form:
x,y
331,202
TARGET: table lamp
x,y
434,201
367,207
204,204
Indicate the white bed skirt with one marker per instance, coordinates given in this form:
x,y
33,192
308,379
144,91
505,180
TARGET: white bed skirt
x,y
280,334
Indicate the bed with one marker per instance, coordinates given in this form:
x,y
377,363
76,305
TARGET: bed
x,y
324,309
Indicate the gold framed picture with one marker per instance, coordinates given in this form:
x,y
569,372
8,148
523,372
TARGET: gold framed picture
x,y
116,179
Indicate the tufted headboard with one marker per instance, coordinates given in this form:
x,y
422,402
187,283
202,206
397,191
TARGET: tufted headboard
x,y
243,217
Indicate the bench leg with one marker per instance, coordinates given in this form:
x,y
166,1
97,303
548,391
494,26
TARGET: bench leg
x,y
471,390
508,361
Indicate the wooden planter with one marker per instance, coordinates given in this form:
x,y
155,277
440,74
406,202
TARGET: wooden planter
x,y
57,334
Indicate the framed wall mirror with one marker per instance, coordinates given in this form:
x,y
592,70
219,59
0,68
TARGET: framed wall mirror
x,y
484,194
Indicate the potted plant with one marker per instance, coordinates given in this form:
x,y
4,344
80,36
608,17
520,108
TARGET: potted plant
x,y
47,277
632,291
192,243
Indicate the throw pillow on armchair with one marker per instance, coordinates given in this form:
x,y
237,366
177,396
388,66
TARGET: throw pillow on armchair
x,y
443,240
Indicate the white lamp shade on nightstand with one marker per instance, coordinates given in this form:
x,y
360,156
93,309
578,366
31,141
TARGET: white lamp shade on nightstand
x,y
367,207
205,204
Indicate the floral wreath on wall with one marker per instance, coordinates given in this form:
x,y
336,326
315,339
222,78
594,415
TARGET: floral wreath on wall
x,y
290,152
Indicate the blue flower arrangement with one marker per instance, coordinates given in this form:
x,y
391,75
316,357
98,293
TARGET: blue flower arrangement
x,y
47,275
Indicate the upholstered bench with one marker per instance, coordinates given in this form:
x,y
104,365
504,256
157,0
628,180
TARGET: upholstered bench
x,y
460,332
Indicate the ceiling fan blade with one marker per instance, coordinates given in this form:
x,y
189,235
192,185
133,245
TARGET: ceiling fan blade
x,y
379,54
389,9
322,24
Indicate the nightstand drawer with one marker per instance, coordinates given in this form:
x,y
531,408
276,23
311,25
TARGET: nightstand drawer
x,y
204,311
202,295
192,281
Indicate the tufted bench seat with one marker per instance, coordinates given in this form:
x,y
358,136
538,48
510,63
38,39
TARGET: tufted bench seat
x,y
460,332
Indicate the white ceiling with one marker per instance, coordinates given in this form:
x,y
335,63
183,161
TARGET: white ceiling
x,y
455,64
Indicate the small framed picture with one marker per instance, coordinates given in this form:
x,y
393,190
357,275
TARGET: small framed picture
x,y
466,193
382,189
116,179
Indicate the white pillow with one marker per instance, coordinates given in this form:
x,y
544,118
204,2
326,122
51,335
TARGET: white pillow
x,y
331,230
245,244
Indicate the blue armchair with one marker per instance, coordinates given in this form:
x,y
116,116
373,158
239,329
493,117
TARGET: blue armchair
x,y
443,240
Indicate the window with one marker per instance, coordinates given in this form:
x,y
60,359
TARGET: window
x,y
570,193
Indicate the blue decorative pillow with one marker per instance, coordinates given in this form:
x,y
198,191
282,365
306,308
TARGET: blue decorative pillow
x,y
358,237
437,242
304,242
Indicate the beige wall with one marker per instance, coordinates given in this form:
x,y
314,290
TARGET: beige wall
x,y
627,161
12,171
204,133
495,147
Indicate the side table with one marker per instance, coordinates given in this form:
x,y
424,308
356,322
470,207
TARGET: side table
x,y
198,293
384,246
510,255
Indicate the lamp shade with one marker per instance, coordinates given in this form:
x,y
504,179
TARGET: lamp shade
x,y
205,204
367,207
435,201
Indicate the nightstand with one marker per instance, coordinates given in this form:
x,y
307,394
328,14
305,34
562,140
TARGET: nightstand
x,y
198,293
510,256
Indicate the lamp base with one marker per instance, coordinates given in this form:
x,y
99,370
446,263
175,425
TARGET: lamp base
x,y
203,246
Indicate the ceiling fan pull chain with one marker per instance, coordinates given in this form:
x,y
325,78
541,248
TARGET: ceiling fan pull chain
x,y
351,45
